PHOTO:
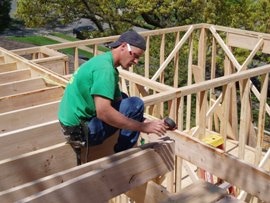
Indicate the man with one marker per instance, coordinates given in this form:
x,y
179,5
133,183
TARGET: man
x,y
93,99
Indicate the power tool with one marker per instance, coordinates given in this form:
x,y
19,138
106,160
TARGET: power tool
x,y
170,123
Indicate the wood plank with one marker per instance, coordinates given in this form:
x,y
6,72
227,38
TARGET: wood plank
x,y
199,192
223,165
34,115
28,99
26,51
36,70
30,139
34,165
2,59
21,86
33,138
146,82
15,76
173,52
247,42
205,85
8,67
229,199
244,117
24,190
149,192
261,119
112,180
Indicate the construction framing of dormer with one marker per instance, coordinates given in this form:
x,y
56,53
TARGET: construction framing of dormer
x,y
219,153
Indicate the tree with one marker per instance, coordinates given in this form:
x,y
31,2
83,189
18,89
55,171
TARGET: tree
x,y
5,6
120,15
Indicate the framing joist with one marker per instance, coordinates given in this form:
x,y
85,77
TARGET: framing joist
x,y
22,86
223,165
34,165
15,75
32,116
198,192
109,176
37,97
30,139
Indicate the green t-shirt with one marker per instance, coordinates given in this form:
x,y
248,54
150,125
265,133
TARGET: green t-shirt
x,y
98,76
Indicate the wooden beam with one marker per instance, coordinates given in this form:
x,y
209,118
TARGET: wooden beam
x,y
8,67
244,118
223,165
174,51
149,192
229,199
36,70
251,55
34,165
199,192
16,75
114,179
2,59
247,42
261,117
17,87
21,191
30,139
205,85
33,115
27,99
147,58
146,82
26,51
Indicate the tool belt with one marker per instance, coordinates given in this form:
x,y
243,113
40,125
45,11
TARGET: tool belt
x,y
76,136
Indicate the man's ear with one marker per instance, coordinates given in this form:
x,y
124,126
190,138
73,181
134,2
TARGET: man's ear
x,y
123,45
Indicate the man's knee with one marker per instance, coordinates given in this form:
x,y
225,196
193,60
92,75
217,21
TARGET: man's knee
x,y
134,103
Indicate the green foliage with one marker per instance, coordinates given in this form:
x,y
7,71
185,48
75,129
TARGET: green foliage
x,y
36,40
5,6
121,15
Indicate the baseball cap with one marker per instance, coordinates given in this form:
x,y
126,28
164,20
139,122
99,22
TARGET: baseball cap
x,y
131,37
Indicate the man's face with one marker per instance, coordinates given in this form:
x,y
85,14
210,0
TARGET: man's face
x,y
130,56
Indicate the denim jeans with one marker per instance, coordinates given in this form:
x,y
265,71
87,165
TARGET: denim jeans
x,y
131,107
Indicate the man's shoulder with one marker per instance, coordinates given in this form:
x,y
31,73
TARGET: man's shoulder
x,y
105,55
104,60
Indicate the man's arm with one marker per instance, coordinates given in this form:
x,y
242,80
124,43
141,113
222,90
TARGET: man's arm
x,y
109,115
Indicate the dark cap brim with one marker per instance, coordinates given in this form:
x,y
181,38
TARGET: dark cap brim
x,y
114,44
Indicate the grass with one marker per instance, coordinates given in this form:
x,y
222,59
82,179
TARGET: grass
x,y
63,36
36,40
41,41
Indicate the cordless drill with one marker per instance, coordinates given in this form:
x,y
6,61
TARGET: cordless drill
x,y
170,123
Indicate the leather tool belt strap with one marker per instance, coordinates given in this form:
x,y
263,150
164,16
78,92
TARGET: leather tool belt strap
x,y
76,135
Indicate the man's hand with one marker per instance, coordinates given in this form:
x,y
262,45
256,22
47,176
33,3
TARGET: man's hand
x,y
154,126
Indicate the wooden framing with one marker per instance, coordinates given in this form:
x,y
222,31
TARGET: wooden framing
x,y
36,165
136,169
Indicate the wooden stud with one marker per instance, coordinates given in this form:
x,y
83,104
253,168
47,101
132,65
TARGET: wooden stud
x,y
261,118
